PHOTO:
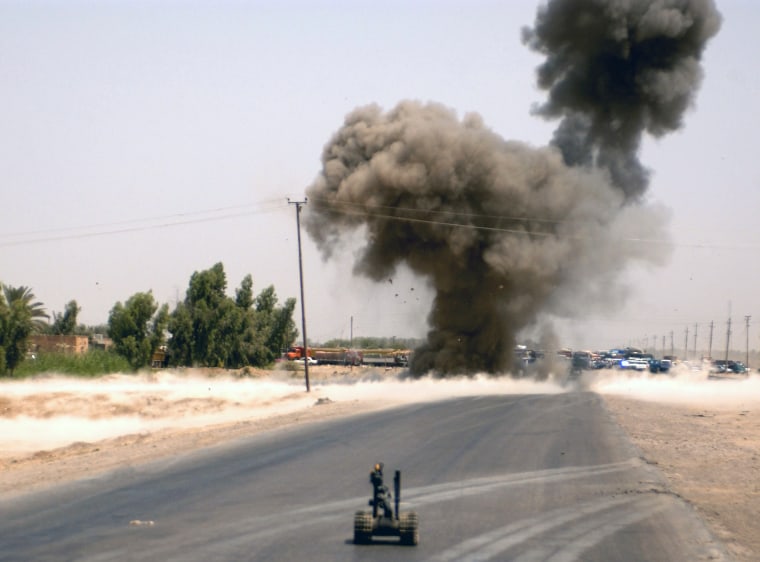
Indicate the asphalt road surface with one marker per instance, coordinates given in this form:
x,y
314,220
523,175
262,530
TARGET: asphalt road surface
x,y
525,478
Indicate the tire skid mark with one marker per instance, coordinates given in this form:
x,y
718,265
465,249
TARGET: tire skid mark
x,y
424,495
452,490
258,527
573,550
492,544
570,544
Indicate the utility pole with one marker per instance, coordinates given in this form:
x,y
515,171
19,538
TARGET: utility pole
x,y
351,340
686,345
672,347
709,348
298,205
695,341
746,362
728,337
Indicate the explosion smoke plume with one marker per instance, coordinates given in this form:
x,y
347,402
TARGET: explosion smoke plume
x,y
504,232
615,69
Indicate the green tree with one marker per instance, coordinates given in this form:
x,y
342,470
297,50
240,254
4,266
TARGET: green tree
x,y
20,316
244,295
181,330
211,329
4,319
195,323
276,322
65,323
137,328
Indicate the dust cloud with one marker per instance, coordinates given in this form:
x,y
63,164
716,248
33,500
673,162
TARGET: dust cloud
x,y
52,412
683,388
504,233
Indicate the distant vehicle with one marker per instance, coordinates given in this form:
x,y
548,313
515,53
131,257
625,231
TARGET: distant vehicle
x,y
634,364
733,367
659,365
582,360
737,367
309,360
326,356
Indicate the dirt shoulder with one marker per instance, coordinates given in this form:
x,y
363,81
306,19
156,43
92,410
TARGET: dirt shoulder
x,y
710,457
27,473
278,401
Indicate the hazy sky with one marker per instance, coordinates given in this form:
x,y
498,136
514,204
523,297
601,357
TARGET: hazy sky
x,y
143,141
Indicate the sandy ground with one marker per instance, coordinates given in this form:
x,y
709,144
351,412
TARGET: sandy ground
x,y
55,429
704,435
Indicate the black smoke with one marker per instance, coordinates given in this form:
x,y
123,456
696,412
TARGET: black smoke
x,y
504,232
615,69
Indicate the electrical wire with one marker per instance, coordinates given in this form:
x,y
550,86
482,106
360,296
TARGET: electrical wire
x,y
334,206
360,209
157,222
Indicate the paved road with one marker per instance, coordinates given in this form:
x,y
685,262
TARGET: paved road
x,y
537,477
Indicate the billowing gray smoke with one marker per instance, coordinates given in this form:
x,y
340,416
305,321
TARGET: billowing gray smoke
x,y
615,69
504,232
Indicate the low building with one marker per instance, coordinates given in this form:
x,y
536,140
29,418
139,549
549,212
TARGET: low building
x,y
100,341
58,344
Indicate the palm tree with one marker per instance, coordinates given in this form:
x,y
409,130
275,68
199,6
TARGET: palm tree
x,y
21,316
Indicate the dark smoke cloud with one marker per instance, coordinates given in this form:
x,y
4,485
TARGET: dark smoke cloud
x,y
615,69
495,226
505,233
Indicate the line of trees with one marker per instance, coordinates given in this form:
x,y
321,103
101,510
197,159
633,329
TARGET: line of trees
x,y
207,329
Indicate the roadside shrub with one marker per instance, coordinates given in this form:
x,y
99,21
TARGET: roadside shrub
x,y
91,364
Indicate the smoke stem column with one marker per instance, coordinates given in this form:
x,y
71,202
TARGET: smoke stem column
x,y
298,205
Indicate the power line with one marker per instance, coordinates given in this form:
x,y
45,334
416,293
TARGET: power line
x,y
165,221
376,211
336,206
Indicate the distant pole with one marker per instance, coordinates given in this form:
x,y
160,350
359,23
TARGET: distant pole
x,y
298,205
728,337
351,342
695,341
686,345
672,347
709,348
746,319
728,332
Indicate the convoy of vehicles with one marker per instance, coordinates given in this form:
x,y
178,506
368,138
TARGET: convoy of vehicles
x,y
345,356
633,359
325,356
526,361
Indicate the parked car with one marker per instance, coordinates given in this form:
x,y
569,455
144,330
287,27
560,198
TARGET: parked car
x,y
634,364
309,360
